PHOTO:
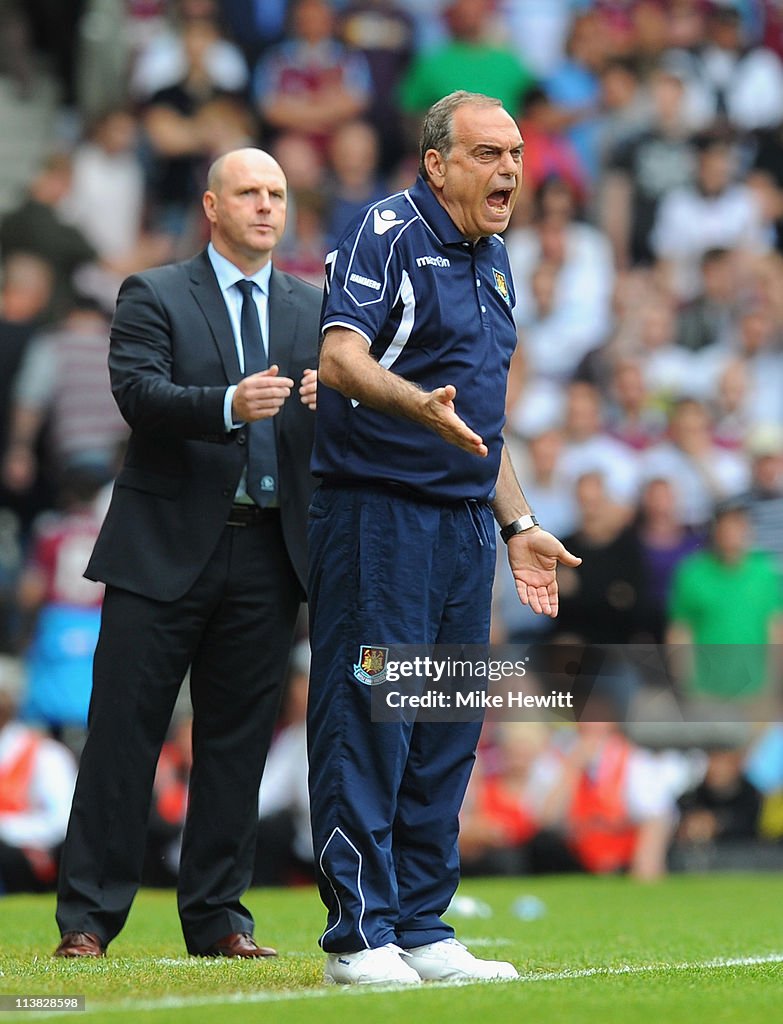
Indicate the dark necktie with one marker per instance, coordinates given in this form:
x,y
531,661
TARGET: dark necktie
x,y
261,482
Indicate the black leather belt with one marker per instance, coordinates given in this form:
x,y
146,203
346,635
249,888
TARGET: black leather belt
x,y
248,515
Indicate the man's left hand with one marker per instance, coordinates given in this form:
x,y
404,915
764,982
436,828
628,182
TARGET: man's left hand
x,y
308,388
533,557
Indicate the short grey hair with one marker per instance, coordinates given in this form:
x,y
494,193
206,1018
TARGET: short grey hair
x,y
437,127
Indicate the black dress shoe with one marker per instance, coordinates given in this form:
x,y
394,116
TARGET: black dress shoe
x,y
239,944
75,944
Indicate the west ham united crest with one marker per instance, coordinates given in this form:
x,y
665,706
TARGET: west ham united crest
x,y
371,666
501,285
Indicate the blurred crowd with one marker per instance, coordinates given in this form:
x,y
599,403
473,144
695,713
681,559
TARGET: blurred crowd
x,y
645,404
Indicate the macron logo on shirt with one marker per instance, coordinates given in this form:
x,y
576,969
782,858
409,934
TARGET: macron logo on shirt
x,y
383,220
432,261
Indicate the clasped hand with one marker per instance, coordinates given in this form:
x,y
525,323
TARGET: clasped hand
x,y
262,395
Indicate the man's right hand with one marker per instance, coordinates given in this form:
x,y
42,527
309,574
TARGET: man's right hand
x,y
440,415
260,395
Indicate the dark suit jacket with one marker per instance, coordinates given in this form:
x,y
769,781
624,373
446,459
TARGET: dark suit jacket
x,y
172,355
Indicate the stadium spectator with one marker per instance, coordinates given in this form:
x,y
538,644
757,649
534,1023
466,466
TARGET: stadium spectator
x,y
25,293
605,806
643,170
700,472
500,815
549,351
719,817
548,153
574,88
181,141
633,415
729,80
652,25
707,319
575,273
727,602
605,601
766,283
590,448
539,31
616,23
106,199
732,406
303,249
724,806
469,59
37,776
383,32
537,462
255,24
63,381
302,161
764,499
164,59
16,55
717,211
669,371
626,106
664,542
766,177
354,181
310,83
755,345
62,611
36,227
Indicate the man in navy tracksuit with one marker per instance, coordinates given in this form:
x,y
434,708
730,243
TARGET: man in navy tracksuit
x,y
418,335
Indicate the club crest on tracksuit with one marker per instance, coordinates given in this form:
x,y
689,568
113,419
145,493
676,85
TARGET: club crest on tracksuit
x,y
501,284
370,669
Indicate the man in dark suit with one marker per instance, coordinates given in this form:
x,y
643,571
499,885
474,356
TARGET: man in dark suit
x,y
203,553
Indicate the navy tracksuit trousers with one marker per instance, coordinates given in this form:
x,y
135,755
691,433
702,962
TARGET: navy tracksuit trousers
x,y
387,569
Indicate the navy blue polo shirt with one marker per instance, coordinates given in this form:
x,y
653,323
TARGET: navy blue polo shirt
x,y
436,310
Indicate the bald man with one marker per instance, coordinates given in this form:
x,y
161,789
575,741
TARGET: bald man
x,y
203,556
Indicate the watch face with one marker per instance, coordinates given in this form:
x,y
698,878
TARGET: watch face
x,y
521,525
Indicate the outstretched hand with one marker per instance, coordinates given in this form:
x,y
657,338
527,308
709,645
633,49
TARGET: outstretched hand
x,y
533,557
440,415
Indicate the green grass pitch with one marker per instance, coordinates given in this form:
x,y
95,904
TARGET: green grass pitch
x,y
701,950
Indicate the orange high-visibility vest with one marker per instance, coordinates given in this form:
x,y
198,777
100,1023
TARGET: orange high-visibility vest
x,y
15,781
507,811
600,833
16,777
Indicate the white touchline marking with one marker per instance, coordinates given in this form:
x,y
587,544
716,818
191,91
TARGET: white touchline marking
x,y
289,995
719,963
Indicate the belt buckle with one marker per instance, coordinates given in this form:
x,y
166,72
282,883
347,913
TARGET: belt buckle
x,y
238,517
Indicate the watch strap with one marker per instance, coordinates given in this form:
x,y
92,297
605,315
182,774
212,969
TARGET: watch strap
x,y
520,525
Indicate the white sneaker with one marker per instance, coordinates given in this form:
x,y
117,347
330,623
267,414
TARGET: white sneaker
x,y
370,967
449,959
